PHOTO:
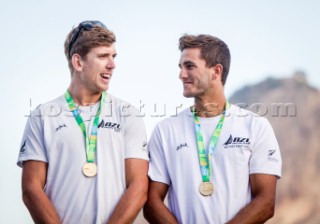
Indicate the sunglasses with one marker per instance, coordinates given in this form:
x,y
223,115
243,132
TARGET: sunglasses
x,y
87,25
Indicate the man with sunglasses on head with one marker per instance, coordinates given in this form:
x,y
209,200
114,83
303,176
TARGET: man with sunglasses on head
x,y
84,155
218,162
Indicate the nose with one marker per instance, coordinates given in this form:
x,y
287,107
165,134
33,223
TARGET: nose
x,y
111,64
182,74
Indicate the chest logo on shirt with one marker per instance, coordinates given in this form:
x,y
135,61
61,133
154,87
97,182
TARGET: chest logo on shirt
x,y
236,142
116,127
61,126
182,145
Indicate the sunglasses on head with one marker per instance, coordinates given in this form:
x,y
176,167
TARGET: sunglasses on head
x,y
87,25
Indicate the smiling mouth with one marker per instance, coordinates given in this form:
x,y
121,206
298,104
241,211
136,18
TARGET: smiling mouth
x,y
105,76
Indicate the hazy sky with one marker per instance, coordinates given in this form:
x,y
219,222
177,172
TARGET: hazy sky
x,y
265,38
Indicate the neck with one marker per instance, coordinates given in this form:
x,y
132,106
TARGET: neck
x,y
209,107
83,97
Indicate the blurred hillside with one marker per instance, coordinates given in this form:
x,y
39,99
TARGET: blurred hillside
x,y
292,106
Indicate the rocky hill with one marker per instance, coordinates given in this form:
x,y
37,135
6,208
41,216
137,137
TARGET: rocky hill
x,y
293,109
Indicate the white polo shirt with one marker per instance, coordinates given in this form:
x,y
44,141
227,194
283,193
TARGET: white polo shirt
x,y
53,136
247,145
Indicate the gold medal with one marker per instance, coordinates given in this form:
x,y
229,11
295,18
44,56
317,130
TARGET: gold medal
x,y
89,169
206,188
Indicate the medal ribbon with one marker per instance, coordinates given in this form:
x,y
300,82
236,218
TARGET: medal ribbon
x,y
203,158
91,142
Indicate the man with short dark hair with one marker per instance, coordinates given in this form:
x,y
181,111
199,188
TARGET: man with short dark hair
x,y
219,163
84,160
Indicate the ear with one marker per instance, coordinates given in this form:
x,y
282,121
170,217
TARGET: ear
x,y
77,62
217,71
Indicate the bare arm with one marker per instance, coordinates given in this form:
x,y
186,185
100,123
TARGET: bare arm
x,y
261,208
135,196
34,175
155,211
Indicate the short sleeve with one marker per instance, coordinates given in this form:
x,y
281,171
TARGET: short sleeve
x,y
266,156
135,136
157,165
32,145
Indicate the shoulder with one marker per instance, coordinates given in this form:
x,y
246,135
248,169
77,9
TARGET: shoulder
x,y
176,122
121,106
247,116
50,108
248,120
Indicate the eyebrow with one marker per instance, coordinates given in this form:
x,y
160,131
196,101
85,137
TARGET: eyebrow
x,y
187,63
106,54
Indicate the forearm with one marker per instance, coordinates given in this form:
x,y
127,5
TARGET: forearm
x,y
259,210
40,207
157,212
129,205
